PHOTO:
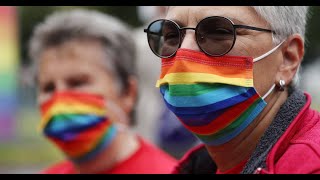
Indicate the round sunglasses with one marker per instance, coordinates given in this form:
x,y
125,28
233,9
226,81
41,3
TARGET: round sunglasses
x,y
215,36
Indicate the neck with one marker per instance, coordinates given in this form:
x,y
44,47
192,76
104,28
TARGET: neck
x,y
240,148
123,146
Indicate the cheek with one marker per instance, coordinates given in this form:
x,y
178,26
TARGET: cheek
x,y
42,97
264,75
259,78
105,86
239,49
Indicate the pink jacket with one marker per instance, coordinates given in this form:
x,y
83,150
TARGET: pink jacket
x,y
298,149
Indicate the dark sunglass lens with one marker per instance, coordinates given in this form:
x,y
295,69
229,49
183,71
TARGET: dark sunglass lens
x,y
215,35
163,38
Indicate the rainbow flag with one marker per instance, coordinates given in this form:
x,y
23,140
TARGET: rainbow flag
x,y
9,59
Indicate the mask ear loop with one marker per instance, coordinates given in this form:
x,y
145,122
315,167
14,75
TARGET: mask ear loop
x,y
263,56
268,53
268,93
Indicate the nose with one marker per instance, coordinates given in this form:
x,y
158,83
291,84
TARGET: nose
x,y
189,41
60,86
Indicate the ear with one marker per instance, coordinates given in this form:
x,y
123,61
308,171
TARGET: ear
x,y
129,95
293,51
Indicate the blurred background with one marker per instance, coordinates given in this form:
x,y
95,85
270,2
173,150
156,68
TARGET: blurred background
x,y
22,148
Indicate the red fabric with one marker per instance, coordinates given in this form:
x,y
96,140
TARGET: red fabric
x,y
148,159
65,167
235,170
73,96
298,150
223,120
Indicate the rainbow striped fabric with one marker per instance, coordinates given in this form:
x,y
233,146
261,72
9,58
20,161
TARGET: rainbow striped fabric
x,y
213,97
76,122
9,66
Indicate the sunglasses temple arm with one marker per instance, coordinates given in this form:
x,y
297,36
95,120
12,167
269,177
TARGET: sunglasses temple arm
x,y
253,28
153,33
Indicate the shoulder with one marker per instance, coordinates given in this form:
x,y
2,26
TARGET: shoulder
x,y
299,159
309,128
152,151
65,167
196,161
303,153
148,159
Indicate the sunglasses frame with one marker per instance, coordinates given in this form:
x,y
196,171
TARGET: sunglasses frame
x,y
235,26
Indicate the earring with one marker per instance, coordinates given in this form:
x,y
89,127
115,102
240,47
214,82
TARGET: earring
x,y
282,84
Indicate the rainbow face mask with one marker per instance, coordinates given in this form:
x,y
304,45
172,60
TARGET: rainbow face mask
x,y
213,97
76,122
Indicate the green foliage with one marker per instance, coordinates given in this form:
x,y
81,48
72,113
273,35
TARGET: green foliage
x,y
30,16
312,36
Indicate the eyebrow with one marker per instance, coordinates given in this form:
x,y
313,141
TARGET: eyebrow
x,y
236,21
233,19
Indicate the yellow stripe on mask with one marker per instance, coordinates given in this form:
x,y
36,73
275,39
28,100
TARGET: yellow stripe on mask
x,y
191,78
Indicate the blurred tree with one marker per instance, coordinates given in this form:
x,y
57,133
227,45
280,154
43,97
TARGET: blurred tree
x,y
312,36
30,16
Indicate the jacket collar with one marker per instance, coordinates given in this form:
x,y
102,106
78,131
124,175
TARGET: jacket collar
x,y
276,139
271,145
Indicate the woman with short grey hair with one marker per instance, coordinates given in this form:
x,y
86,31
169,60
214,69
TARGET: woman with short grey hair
x,y
229,73
86,90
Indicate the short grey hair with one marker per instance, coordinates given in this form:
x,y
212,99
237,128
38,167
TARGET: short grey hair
x,y
115,35
285,21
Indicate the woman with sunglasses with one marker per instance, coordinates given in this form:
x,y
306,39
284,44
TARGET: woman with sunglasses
x,y
230,75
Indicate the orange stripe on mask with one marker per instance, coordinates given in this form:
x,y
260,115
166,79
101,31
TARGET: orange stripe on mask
x,y
182,65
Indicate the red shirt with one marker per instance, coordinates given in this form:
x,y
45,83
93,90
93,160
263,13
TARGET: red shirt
x,y
235,170
148,159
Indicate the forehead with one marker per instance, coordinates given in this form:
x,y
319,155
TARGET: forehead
x,y
71,57
191,15
79,50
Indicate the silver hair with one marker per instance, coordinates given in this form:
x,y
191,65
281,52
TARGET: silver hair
x,y
285,21
63,26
